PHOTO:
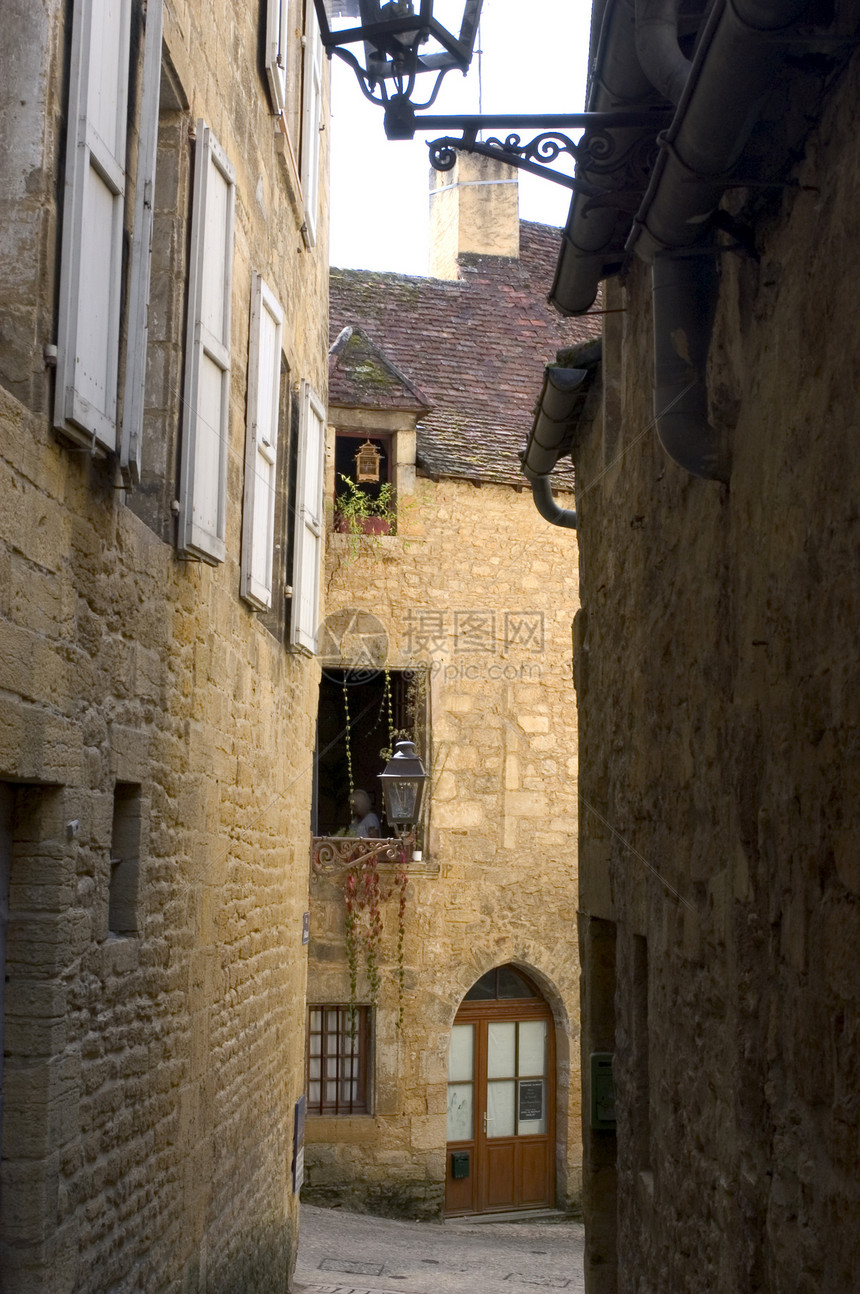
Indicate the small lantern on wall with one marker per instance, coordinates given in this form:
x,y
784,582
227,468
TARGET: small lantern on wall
x,y
403,783
367,462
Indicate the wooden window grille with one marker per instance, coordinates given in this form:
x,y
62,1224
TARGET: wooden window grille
x,y
338,1059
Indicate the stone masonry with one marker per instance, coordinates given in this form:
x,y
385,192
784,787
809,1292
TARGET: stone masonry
x,y
156,735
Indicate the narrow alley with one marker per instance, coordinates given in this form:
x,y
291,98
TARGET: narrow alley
x,y
351,1253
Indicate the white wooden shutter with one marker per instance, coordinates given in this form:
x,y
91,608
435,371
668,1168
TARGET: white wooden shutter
x,y
93,200
311,121
277,34
141,248
205,433
261,445
308,522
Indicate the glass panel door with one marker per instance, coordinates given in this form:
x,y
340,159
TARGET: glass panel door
x,y
461,1083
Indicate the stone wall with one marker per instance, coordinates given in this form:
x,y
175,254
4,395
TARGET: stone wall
x,y
716,668
154,1038
498,879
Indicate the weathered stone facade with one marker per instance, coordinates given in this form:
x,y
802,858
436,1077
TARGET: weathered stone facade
x,y
156,731
474,592
716,667
497,883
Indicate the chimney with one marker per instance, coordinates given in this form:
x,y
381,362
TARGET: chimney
x,y
473,208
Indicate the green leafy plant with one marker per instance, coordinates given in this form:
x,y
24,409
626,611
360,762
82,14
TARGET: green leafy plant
x,y
357,513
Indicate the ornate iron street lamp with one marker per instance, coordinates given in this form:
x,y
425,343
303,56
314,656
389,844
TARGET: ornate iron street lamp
x,y
403,782
404,38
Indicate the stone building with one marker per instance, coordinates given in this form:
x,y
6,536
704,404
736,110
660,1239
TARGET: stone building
x,y
715,657
453,626
160,431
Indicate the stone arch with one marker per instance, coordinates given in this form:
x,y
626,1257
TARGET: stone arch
x,y
532,959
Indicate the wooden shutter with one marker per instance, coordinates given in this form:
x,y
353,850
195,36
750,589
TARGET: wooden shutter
x,y
205,432
261,445
93,201
277,33
311,121
307,552
141,248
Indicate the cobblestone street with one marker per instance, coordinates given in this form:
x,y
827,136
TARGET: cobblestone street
x,y
348,1253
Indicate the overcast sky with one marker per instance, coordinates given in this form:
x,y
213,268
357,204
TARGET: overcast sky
x,y
534,60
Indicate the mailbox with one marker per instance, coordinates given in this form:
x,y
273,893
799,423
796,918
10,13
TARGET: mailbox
x,y
459,1164
602,1092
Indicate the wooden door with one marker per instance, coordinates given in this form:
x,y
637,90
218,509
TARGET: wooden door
x,y
501,1101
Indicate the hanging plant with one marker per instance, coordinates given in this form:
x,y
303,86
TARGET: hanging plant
x,y
364,895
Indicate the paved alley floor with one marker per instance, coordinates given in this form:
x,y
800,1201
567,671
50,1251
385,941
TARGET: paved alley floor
x,y
351,1253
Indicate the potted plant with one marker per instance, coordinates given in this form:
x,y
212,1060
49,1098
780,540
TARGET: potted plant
x,y
357,513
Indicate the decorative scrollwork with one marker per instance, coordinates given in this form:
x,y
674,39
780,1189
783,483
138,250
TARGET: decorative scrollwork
x,y
443,154
333,854
543,148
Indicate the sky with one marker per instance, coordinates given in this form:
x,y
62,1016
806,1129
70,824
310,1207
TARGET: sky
x,y
533,61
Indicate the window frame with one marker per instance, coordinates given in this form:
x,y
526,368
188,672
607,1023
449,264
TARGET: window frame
x,y
133,404
195,537
363,1035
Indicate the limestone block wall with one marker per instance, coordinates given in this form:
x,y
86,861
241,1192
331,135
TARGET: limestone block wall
x,y
154,1032
497,882
717,677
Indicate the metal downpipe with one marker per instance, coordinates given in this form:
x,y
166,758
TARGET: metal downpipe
x,y
684,295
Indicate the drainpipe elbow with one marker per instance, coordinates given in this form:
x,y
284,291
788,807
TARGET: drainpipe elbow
x,y
657,47
547,506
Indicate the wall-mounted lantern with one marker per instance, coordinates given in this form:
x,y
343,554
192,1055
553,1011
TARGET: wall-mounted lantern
x,y
403,782
401,40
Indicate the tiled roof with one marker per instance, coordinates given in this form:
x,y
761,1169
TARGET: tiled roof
x,y
475,349
361,376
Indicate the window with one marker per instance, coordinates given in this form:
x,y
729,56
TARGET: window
x,y
339,1060
124,860
312,123
308,521
376,513
203,488
261,446
150,452
93,209
141,247
360,718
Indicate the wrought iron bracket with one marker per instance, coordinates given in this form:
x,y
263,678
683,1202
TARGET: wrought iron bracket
x,y
599,151
333,854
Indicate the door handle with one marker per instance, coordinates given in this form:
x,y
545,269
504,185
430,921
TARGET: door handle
x,y
485,1123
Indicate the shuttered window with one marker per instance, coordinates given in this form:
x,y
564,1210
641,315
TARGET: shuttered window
x,y
308,522
205,432
141,247
93,201
312,123
277,32
261,445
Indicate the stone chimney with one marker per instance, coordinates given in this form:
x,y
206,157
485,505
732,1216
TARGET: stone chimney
x,y
474,208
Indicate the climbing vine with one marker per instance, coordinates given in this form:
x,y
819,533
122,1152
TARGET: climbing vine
x,y
364,896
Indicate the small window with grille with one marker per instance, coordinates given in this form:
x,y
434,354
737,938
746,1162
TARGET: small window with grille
x,y
338,1060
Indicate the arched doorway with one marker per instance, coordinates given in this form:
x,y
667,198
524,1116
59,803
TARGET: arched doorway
x,y
501,1098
